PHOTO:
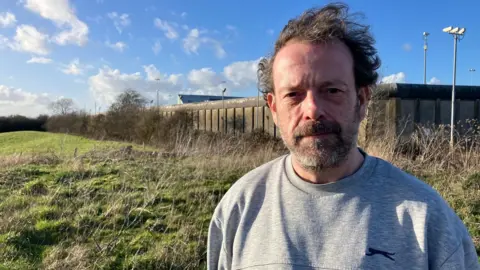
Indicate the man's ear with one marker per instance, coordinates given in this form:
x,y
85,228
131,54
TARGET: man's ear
x,y
273,106
364,96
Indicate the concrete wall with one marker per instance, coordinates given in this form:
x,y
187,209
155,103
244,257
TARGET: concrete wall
x,y
398,110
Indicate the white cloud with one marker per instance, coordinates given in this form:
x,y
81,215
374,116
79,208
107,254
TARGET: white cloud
x,y
204,78
17,101
270,32
75,68
407,47
237,75
194,40
394,78
62,14
205,81
167,28
108,83
118,46
39,60
119,21
242,74
157,47
434,80
29,39
153,74
183,15
7,19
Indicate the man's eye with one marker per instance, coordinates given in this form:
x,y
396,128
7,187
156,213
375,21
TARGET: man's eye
x,y
291,94
333,90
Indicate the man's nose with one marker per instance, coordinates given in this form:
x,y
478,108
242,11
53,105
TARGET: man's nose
x,y
313,106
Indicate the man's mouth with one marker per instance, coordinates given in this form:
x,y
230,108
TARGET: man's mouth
x,y
318,135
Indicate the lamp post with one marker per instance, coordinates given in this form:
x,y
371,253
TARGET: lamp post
x,y
158,105
425,47
224,120
456,33
472,70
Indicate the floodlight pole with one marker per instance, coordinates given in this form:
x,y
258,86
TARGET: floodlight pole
x,y
158,102
472,70
224,112
452,116
455,32
425,47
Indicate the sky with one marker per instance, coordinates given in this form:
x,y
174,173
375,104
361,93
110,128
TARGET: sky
x,y
92,50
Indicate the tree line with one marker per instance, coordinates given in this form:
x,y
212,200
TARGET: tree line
x,y
128,118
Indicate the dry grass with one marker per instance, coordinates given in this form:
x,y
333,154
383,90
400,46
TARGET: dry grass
x,y
123,208
131,209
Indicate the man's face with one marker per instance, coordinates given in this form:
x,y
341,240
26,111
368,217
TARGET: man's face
x,y
315,102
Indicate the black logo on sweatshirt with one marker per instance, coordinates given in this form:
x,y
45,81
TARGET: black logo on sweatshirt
x,y
372,251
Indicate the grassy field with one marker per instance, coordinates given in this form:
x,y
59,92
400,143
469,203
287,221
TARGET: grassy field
x,y
41,142
111,209
108,208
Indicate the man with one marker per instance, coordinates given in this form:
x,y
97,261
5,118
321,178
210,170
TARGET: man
x,y
328,204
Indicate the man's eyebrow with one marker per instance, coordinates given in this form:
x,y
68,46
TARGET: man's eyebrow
x,y
332,82
323,84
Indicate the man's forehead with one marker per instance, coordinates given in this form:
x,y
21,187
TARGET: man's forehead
x,y
332,60
297,53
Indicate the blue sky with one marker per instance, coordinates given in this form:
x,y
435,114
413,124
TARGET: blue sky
x,y
91,50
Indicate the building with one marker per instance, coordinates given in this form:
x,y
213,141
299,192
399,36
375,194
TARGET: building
x,y
396,109
185,99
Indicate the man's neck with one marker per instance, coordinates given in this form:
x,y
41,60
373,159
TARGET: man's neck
x,y
351,164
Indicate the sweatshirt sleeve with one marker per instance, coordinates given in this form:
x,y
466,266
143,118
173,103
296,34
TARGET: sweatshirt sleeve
x,y
464,257
217,257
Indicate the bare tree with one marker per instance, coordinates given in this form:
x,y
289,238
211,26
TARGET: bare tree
x,y
62,106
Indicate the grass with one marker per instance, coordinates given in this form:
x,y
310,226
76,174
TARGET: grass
x,y
113,209
134,210
43,142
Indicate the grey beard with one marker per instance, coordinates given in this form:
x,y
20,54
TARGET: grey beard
x,y
324,153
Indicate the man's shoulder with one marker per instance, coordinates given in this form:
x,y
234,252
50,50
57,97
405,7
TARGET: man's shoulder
x,y
406,187
254,181
257,177
405,183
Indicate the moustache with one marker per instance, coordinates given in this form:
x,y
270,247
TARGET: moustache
x,y
315,128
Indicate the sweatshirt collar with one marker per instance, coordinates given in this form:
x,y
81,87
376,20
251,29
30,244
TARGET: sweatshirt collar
x,y
347,184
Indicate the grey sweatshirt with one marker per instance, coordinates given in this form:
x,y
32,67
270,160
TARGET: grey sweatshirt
x,y
378,218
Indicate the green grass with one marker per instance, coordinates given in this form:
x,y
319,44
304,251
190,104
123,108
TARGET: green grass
x,y
39,142
110,211
114,210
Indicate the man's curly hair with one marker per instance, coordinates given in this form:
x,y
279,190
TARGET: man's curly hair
x,y
322,25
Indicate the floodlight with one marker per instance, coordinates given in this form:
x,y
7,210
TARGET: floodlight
x,y
454,30
447,29
462,31
426,33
